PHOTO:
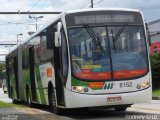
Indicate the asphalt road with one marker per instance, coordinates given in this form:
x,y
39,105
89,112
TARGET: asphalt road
x,y
42,112
113,115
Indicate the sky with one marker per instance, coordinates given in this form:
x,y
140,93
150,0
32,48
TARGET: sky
x,y
11,25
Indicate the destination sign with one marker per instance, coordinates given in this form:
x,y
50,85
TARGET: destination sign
x,y
103,19
97,18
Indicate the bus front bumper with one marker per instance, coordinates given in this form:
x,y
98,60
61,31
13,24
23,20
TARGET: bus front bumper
x,y
77,100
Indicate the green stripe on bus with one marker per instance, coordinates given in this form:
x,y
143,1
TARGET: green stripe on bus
x,y
26,79
39,83
76,82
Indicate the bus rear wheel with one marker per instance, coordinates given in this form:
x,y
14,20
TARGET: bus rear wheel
x,y
14,101
52,102
28,98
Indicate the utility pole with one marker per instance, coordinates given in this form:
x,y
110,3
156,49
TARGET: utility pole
x,y
17,37
36,18
91,3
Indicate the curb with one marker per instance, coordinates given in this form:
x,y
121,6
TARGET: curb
x,y
145,108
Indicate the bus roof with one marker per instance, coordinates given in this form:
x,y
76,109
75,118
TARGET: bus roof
x,y
101,9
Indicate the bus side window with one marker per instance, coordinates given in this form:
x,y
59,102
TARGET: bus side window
x,y
64,55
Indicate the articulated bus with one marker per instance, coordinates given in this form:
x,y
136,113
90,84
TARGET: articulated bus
x,y
82,59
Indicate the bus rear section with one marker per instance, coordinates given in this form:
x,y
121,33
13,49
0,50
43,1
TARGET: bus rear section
x,y
109,59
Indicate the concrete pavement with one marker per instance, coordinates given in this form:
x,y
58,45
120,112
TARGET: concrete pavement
x,y
154,105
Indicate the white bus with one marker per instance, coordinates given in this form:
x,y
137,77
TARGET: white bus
x,y
84,58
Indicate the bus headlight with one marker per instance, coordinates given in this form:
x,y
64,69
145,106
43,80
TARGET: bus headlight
x,y
79,88
143,85
146,84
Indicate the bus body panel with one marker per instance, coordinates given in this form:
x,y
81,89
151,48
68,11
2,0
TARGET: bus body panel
x,y
76,100
20,74
44,75
110,87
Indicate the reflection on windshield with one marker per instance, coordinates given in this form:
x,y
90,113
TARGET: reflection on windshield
x,y
129,60
87,60
95,37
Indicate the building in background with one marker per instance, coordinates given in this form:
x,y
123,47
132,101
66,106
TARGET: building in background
x,y
154,28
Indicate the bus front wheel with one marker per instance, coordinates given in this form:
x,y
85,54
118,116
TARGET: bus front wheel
x,y
52,102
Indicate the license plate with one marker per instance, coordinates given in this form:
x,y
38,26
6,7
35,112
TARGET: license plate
x,y
114,99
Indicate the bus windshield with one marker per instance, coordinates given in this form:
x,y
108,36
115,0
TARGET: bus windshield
x,y
124,57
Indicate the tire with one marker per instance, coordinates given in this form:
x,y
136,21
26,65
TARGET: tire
x,y
14,101
121,108
29,103
52,103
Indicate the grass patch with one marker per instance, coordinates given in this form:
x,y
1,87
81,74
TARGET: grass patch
x,y
156,93
9,105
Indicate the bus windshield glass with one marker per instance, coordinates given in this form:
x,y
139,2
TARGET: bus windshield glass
x,y
123,58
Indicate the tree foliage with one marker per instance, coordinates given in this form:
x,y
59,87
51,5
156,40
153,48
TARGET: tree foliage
x,y
155,64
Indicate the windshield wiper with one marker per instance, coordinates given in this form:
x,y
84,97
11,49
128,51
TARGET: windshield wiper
x,y
113,39
116,37
120,32
94,37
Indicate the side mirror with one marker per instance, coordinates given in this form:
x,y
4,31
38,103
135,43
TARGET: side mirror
x,y
57,39
58,35
148,35
149,38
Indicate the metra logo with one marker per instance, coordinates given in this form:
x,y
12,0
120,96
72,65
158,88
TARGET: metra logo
x,y
108,85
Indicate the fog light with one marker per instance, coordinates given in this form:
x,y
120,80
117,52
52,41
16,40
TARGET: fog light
x,y
85,89
79,89
138,86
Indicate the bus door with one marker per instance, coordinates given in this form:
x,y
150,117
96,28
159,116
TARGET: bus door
x,y
15,67
32,73
8,77
58,76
